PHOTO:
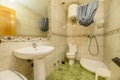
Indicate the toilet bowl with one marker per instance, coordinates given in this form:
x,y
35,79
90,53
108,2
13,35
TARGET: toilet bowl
x,y
11,75
71,53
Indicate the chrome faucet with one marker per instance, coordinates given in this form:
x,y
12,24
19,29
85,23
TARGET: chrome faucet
x,y
34,44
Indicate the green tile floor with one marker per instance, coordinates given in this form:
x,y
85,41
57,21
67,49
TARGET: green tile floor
x,y
74,72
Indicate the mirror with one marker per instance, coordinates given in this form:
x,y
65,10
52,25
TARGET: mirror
x,y
28,14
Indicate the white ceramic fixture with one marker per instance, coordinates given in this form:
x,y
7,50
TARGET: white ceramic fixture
x,y
37,54
11,75
71,54
33,53
97,67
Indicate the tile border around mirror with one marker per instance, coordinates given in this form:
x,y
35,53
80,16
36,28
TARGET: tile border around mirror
x,y
115,31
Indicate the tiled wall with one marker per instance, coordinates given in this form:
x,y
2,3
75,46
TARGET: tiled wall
x,y
58,30
27,21
78,34
112,37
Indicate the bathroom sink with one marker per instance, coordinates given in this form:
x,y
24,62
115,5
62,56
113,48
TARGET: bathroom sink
x,y
33,53
37,53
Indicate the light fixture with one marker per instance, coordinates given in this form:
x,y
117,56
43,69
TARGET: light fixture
x,y
12,0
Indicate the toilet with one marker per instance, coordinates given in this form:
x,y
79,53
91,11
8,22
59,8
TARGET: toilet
x,y
11,75
71,53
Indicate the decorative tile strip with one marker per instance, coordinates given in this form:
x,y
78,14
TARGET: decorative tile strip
x,y
58,34
86,35
21,38
35,38
115,31
81,35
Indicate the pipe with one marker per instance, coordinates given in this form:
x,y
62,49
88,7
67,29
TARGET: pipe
x,y
89,47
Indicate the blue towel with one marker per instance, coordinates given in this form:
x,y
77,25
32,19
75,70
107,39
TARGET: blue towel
x,y
44,24
86,13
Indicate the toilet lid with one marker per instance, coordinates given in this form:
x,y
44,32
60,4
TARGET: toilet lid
x,y
9,75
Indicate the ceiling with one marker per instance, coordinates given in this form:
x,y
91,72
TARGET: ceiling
x,y
38,6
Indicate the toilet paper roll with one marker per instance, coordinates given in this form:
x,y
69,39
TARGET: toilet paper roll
x,y
72,11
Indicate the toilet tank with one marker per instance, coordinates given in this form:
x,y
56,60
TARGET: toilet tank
x,y
72,48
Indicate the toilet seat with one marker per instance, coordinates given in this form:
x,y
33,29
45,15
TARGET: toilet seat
x,y
71,56
69,53
11,75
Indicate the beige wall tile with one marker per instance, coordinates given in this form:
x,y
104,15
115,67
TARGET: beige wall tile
x,y
112,42
57,16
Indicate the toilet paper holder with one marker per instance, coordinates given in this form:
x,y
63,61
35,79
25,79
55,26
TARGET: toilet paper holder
x,y
72,13
74,20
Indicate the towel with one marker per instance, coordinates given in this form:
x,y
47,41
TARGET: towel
x,y
86,13
44,24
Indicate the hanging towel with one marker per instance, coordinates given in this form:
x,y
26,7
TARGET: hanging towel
x,y
44,24
86,13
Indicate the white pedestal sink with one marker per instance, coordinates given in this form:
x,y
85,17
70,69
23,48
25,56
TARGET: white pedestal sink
x,y
37,54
